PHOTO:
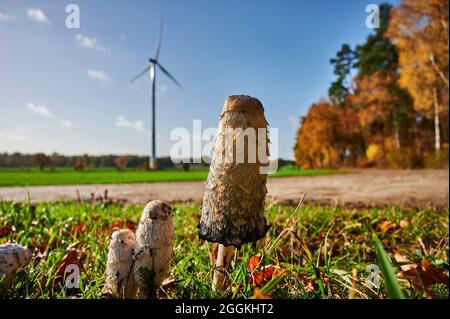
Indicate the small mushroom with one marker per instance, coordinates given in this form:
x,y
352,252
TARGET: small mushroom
x,y
233,200
13,258
119,278
154,248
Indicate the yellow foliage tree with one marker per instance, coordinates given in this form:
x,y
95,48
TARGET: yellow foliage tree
x,y
419,29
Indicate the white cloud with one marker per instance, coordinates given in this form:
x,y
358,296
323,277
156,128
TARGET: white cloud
x,y
138,126
37,15
98,75
40,110
86,42
4,17
293,121
90,43
13,137
66,123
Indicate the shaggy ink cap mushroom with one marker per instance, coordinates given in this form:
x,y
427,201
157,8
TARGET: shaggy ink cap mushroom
x,y
233,200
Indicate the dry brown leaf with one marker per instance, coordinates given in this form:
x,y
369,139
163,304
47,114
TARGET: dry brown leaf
x,y
73,257
431,275
387,225
5,230
408,267
412,275
404,223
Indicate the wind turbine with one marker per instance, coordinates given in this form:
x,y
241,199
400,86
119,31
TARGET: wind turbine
x,y
153,62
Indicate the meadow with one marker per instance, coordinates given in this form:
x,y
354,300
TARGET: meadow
x,y
68,176
309,252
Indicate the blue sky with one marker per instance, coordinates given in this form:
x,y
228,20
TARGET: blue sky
x,y
69,90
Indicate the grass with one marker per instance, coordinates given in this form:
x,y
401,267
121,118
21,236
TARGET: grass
x,y
323,252
64,176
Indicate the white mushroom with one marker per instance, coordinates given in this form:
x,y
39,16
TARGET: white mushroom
x,y
233,200
154,248
13,258
119,278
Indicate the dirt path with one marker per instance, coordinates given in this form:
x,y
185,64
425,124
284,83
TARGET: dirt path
x,y
417,188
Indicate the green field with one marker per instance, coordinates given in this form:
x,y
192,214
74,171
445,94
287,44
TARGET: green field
x,y
30,177
322,253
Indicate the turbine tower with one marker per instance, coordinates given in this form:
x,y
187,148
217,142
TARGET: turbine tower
x,y
153,62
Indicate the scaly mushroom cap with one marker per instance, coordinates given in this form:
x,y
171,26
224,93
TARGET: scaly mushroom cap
x,y
233,200
13,258
154,247
119,279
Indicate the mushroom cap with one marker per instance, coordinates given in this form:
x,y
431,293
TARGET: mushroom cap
x,y
233,201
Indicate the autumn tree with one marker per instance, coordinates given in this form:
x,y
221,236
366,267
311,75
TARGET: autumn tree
x,y
327,136
121,162
81,162
384,109
40,160
419,30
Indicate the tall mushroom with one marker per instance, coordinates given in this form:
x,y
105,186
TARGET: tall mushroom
x,y
154,248
119,278
233,200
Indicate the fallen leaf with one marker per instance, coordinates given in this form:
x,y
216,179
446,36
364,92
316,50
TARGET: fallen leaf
x,y
5,230
167,286
408,267
386,226
431,275
404,223
78,228
73,257
261,276
401,258
253,262
412,275
258,294
124,224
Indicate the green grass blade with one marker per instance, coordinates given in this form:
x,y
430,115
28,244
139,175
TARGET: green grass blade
x,y
390,281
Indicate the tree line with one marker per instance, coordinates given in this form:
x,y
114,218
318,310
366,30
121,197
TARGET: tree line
x,y
388,106
81,162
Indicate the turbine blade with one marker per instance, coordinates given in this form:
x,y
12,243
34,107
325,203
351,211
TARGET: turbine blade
x,y
141,74
158,44
169,75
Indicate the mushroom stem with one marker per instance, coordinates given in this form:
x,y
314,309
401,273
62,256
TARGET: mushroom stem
x,y
223,261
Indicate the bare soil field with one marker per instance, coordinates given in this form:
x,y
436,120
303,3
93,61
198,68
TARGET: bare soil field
x,y
358,188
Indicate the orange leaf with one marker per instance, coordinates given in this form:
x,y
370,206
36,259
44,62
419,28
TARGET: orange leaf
x,y
124,224
253,262
261,276
78,228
